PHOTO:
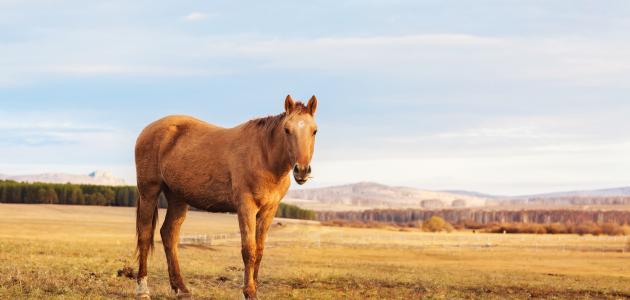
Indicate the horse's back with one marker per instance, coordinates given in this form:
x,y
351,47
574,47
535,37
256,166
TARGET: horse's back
x,y
161,136
170,127
179,122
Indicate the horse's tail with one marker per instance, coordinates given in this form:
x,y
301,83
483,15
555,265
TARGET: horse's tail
x,y
139,227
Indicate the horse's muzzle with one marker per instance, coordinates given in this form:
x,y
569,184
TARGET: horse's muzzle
x,y
301,174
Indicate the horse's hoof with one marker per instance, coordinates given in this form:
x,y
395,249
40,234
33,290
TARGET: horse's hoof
x,y
142,289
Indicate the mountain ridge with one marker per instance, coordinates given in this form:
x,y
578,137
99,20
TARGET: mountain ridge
x,y
605,192
371,195
97,177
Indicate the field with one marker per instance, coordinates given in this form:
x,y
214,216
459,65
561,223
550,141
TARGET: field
x,y
72,252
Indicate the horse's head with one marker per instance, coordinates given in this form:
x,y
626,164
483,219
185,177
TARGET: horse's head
x,y
300,130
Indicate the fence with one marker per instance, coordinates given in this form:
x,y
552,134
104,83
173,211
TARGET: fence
x,y
457,241
206,239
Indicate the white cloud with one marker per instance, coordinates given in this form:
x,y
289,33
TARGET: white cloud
x,y
507,71
505,132
510,173
139,70
438,56
594,148
58,137
196,16
413,58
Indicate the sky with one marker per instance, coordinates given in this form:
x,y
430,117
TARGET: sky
x,y
502,97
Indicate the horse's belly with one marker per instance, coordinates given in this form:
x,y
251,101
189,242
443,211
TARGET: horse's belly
x,y
207,192
214,200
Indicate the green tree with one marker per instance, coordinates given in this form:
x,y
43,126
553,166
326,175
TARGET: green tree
x,y
50,196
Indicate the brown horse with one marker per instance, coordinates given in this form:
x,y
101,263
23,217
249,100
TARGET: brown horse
x,y
244,169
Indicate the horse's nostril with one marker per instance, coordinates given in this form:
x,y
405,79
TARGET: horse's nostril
x,y
296,169
308,171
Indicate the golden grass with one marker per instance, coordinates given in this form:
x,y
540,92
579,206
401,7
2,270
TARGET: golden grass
x,y
71,252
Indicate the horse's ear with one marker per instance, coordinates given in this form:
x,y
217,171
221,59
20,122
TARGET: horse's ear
x,y
312,105
289,104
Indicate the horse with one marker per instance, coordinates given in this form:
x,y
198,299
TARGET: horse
x,y
244,170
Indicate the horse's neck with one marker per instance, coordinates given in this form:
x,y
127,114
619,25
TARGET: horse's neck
x,y
275,157
280,161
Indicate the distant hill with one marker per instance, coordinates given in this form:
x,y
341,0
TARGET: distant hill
x,y
369,195
611,196
473,194
95,178
611,192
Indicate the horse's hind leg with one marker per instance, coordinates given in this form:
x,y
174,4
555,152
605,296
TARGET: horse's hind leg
x,y
146,220
175,216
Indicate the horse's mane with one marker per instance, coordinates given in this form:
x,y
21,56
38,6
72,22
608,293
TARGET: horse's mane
x,y
270,123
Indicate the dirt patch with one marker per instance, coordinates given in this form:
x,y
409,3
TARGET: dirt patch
x,y
126,272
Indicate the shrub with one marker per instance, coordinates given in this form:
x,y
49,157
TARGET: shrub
x,y
468,224
517,228
534,228
612,229
436,224
557,228
587,228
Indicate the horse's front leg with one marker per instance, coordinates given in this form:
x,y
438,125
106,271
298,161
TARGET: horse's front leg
x,y
263,221
247,222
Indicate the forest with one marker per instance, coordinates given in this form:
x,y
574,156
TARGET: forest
x,y
482,216
80,194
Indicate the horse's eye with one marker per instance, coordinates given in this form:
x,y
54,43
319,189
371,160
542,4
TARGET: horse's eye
x,y
286,130
315,132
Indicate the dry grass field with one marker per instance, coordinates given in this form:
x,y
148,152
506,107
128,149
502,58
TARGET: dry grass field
x,y
70,252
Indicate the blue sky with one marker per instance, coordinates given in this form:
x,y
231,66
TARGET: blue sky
x,y
506,97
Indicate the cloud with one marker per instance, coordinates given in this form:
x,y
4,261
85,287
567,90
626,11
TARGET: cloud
x,y
38,136
602,148
74,141
509,174
196,16
58,122
454,58
466,86
33,140
506,133
137,70
41,129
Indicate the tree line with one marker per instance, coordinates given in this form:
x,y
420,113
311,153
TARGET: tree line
x,y
74,194
84,194
293,212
